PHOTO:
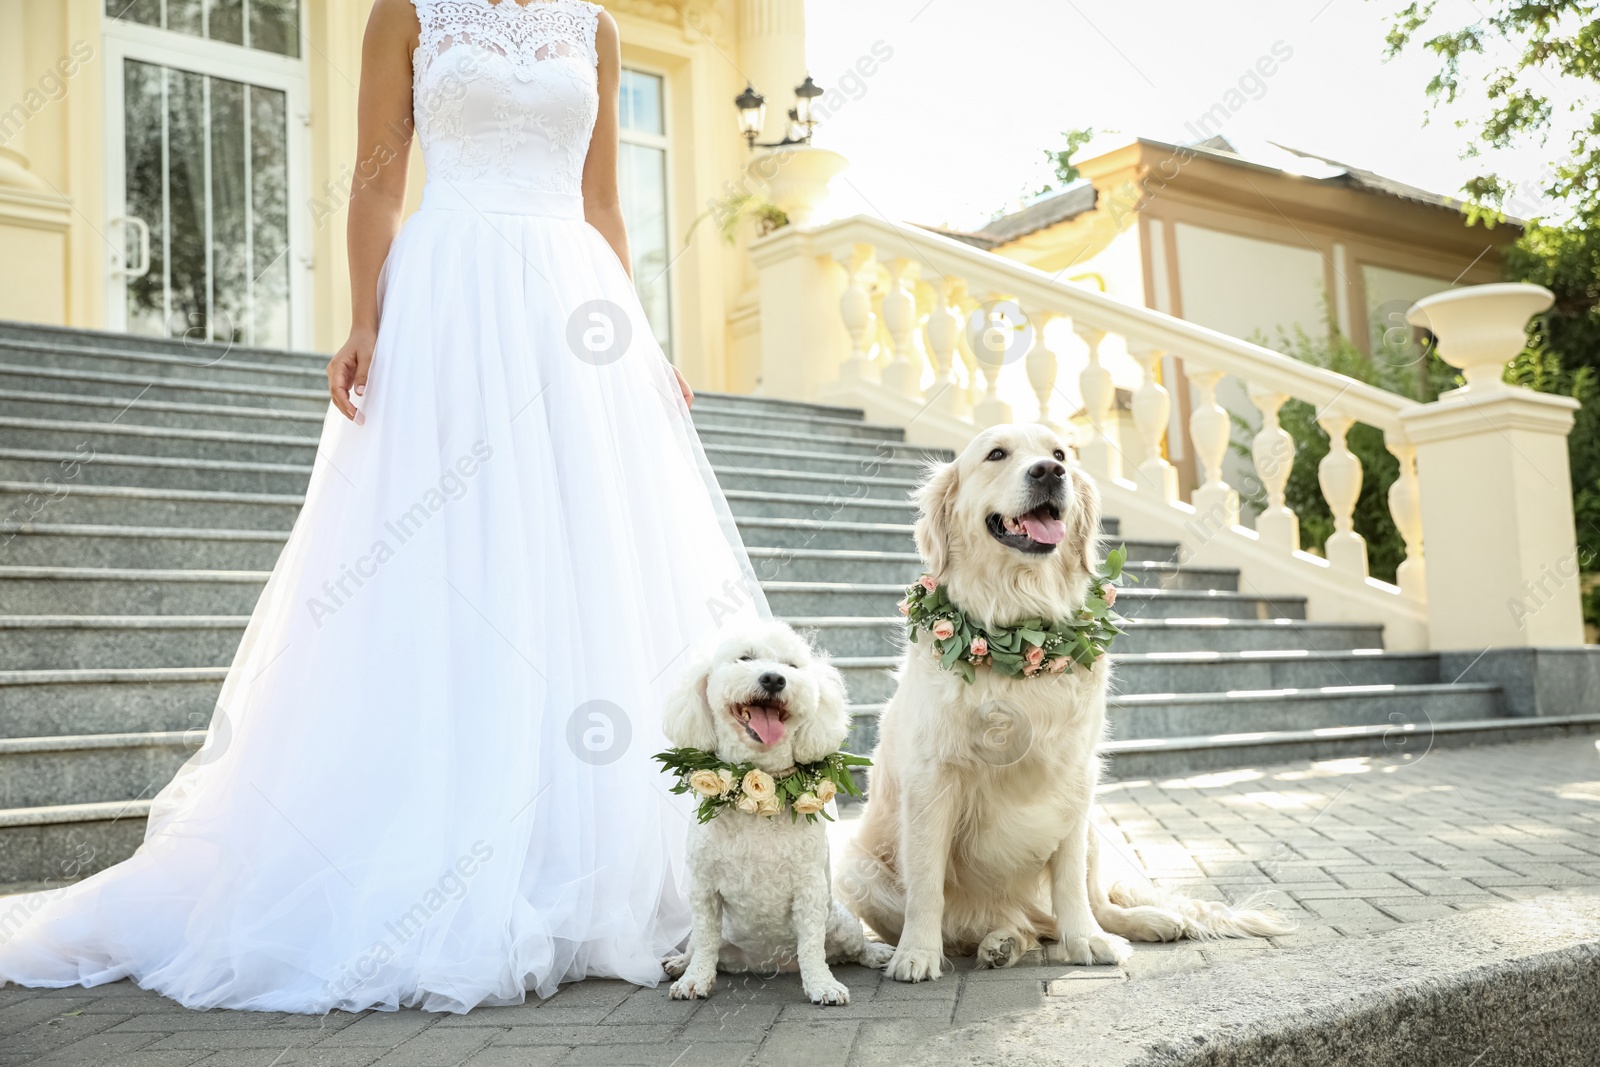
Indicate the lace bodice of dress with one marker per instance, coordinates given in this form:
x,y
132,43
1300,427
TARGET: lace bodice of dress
x,y
505,93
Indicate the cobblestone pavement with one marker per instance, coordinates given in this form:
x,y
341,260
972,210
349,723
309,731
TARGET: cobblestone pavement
x,y
1350,847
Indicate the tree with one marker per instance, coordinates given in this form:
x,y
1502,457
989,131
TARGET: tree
x,y
1060,160
1531,43
1532,55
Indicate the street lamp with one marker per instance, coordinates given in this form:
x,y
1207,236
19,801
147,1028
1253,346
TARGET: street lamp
x,y
802,117
752,113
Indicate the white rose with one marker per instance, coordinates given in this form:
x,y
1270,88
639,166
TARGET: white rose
x,y
768,806
708,783
759,784
748,804
826,790
808,803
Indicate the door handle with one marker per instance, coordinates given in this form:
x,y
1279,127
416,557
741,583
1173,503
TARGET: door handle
x,y
142,266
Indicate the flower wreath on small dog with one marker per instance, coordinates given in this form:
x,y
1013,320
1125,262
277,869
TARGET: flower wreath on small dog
x,y
721,785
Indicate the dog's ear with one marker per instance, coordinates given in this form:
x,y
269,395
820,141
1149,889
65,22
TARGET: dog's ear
x,y
935,500
823,732
687,722
1083,536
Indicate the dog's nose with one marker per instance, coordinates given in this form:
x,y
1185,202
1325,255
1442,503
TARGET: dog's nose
x,y
773,682
1046,470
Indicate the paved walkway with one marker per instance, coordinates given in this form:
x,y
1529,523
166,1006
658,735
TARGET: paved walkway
x,y
1351,847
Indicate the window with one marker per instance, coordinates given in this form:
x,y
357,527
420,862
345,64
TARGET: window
x,y
642,180
204,160
264,25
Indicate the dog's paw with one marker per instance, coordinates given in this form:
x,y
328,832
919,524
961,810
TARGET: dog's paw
x,y
675,965
876,954
693,987
1088,949
1000,949
828,991
914,964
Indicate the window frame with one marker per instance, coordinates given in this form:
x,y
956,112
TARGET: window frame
x,y
662,141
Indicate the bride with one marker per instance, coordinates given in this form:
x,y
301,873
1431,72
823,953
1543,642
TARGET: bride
x,y
427,780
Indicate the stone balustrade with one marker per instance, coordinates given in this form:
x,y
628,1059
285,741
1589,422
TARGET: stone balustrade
x,y
915,327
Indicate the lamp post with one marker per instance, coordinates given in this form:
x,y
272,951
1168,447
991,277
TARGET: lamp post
x,y
802,117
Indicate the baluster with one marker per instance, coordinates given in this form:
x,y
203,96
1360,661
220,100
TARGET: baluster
x,y
1405,505
962,305
941,332
1216,503
904,373
1273,452
880,330
988,333
1152,407
1339,474
1099,455
855,308
1041,363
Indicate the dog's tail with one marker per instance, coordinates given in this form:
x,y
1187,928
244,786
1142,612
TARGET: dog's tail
x,y
1204,920
866,883
1142,912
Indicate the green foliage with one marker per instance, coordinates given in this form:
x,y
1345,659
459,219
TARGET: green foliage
x,y
1029,647
1399,365
731,210
1516,54
805,778
1060,160
1541,50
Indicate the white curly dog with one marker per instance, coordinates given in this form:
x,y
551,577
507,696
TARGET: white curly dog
x,y
760,883
977,835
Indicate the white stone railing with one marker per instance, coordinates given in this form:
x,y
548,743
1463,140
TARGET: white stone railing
x,y
867,312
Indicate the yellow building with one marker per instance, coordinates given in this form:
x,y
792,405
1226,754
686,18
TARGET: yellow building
x,y
1261,244
181,167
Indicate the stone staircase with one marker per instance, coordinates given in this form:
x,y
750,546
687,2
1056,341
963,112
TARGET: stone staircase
x,y
147,487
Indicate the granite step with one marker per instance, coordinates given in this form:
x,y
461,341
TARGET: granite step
x,y
845,635
23,334
54,642
128,591
106,700
16,374
869,681
49,399
90,768
209,363
1158,715
112,505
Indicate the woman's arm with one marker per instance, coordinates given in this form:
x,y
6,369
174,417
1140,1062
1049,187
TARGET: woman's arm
x,y
602,203
378,192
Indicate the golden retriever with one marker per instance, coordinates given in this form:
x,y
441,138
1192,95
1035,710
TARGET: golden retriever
x,y
977,834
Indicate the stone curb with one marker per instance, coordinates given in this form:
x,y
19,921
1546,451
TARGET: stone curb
x,y
1517,985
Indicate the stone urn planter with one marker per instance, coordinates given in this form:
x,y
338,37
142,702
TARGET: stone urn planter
x,y
1481,327
796,177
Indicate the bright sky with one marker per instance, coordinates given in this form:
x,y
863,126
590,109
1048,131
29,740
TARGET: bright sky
x,y
953,125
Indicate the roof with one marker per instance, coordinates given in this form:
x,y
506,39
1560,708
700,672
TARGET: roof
x,y
1043,213
1267,156
1371,181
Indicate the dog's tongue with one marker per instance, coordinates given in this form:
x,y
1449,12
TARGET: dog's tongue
x,y
766,724
1042,528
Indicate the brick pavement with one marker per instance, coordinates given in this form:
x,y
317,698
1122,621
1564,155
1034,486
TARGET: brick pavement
x,y
1350,847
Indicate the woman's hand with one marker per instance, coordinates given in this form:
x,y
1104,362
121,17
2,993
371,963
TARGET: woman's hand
x,y
683,387
347,372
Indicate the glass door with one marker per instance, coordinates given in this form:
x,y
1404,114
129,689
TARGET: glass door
x,y
205,151
642,183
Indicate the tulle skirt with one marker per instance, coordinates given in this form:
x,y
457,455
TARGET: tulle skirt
x,y
428,779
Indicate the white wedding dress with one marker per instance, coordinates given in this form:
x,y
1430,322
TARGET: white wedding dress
x,y
428,779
